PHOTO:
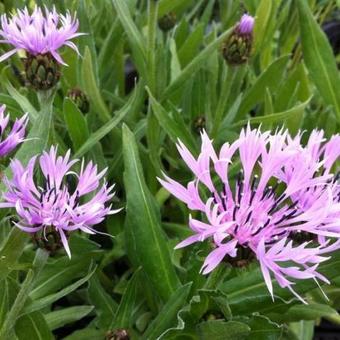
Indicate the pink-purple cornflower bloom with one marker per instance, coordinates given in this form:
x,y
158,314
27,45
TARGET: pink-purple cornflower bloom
x,y
246,24
39,33
10,138
55,204
266,208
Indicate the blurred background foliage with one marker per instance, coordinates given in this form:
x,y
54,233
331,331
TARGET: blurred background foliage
x,y
151,72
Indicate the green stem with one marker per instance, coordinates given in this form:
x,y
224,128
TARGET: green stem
x,y
151,52
38,136
39,262
228,80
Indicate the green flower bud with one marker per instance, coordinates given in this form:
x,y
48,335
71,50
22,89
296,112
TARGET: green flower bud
x,y
236,49
167,22
42,71
80,99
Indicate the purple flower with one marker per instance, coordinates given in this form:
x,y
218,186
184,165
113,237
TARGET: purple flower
x,y
55,204
259,212
14,136
319,157
39,33
246,24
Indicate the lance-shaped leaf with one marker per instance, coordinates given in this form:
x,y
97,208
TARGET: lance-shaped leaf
x,y
319,58
146,242
168,313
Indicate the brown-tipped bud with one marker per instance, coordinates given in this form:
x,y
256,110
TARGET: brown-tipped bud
x,y
167,22
118,334
42,71
199,124
237,47
80,99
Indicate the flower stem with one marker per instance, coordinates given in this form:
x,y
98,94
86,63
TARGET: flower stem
x,y
228,79
39,134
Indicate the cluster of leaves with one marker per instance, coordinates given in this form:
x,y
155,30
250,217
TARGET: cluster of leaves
x,y
146,88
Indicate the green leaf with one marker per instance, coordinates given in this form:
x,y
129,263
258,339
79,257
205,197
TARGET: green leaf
x,y
303,330
8,293
262,22
96,136
76,123
319,58
58,274
270,78
123,318
247,292
175,64
275,117
175,129
105,306
311,311
87,334
196,310
168,313
11,251
166,6
49,299
91,88
40,132
59,318
136,40
33,326
221,330
263,328
24,103
145,238
16,308
195,65
191,46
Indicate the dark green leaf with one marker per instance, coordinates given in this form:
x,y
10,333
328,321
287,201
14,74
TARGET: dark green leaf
x,y
105,306
146,241
221,330
75,123
167,315
270,78
59,318
319,58
174,128
123,316
33,326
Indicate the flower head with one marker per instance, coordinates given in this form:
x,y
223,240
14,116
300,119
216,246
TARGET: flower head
x,y
42,32
258,212
14,136
58,203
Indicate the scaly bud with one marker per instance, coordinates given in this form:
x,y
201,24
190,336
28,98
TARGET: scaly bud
x,y
42,71
236,48
80,99
167,22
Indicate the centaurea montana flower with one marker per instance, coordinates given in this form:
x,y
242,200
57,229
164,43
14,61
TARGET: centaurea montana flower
x,y
39,32
259,212
56,204
14,136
